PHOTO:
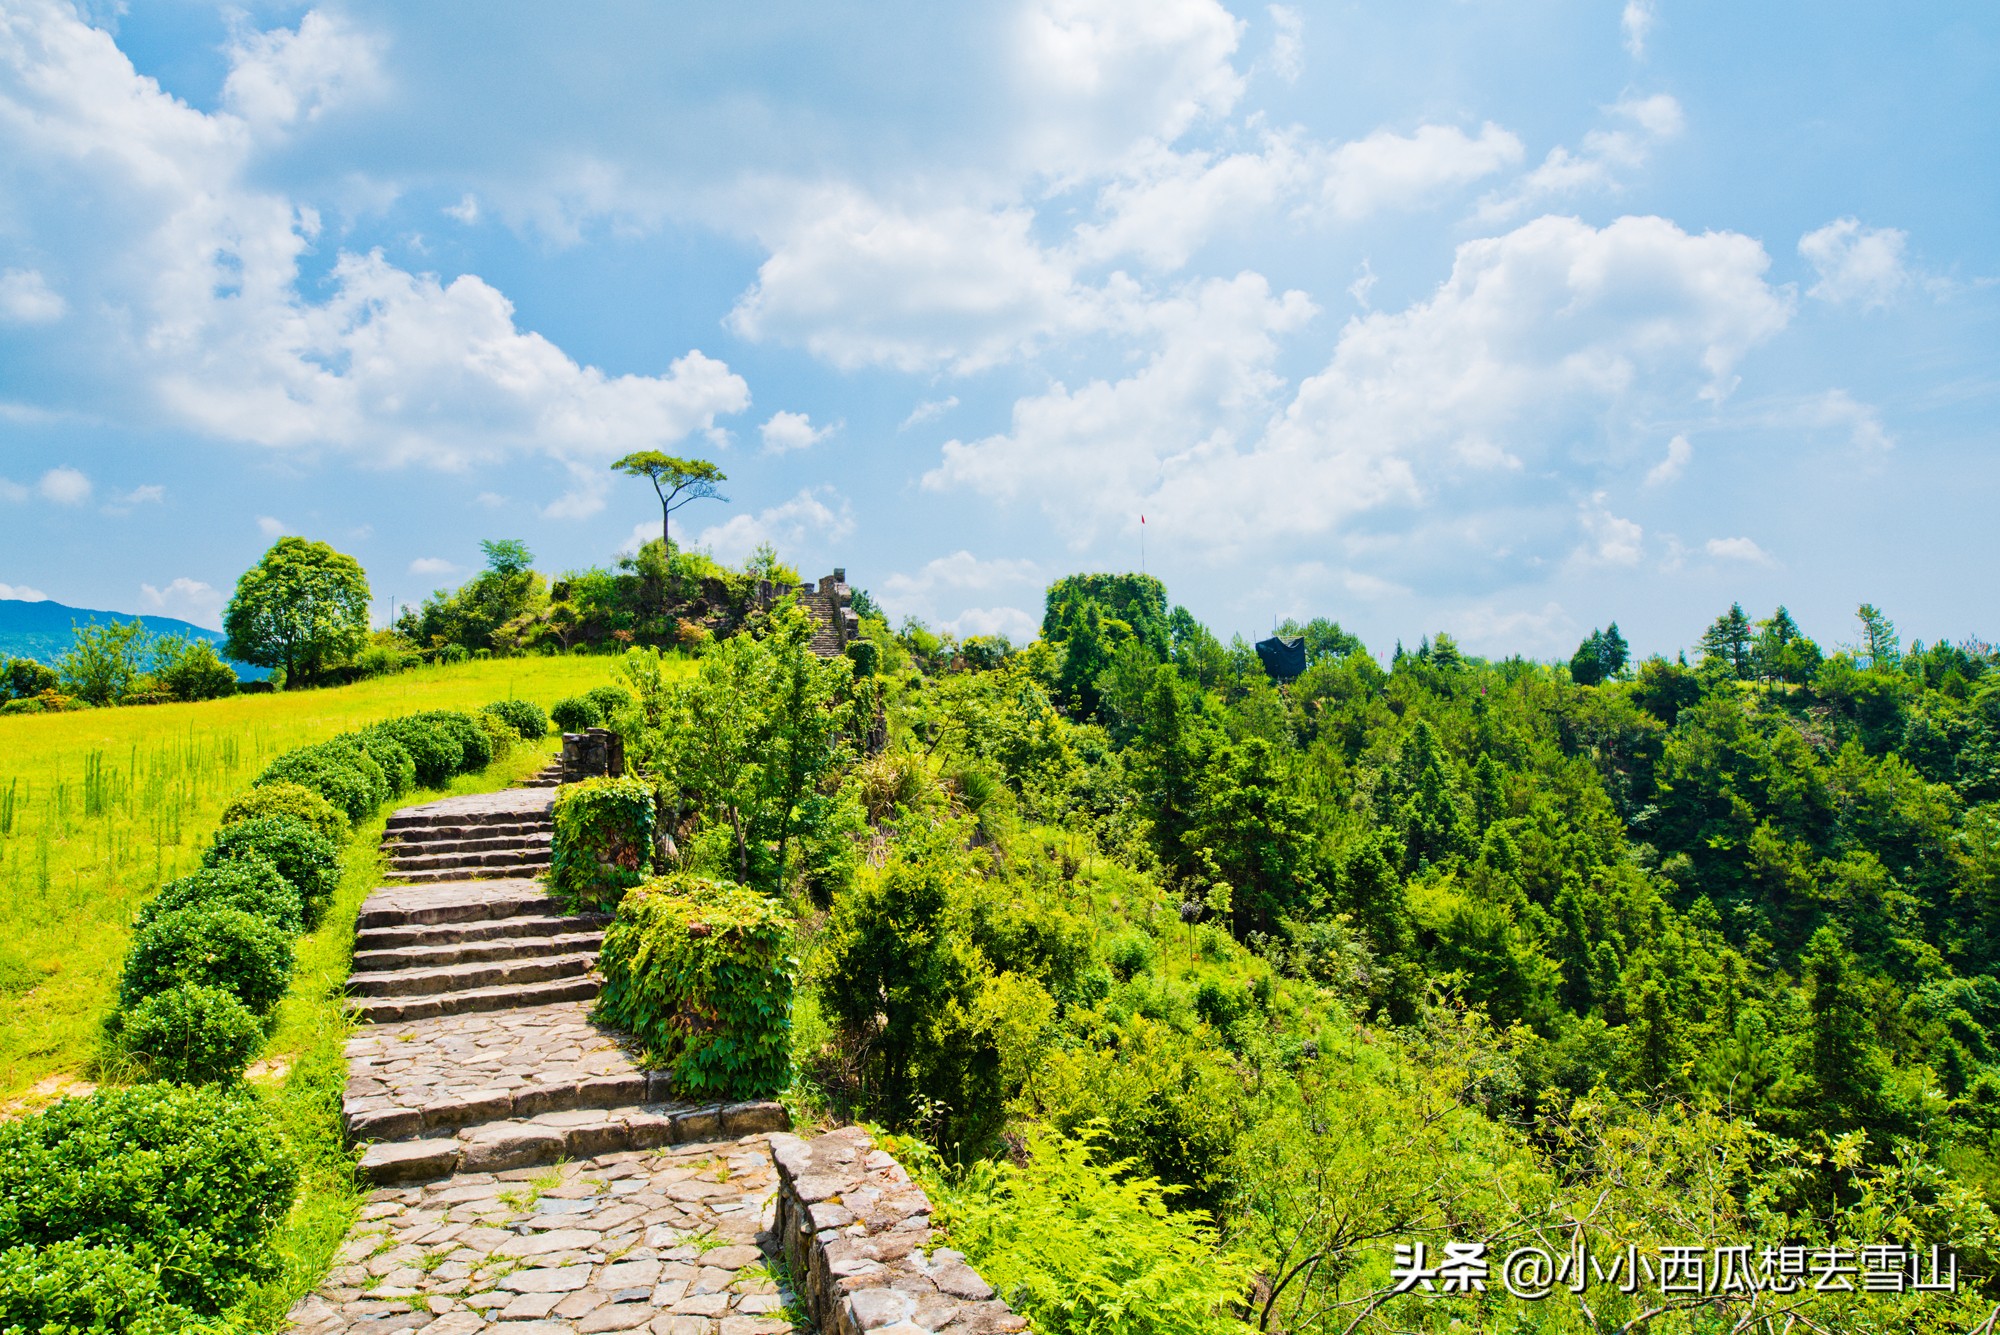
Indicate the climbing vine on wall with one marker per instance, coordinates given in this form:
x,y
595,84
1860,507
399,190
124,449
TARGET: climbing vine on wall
x,y
603,841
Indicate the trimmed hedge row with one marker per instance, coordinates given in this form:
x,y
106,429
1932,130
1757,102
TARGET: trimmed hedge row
x,y
149,1210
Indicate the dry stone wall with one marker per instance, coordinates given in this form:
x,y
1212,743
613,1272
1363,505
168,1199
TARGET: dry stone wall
x,y
854,1229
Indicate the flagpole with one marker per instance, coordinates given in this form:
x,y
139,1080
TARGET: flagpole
x,y
1142,544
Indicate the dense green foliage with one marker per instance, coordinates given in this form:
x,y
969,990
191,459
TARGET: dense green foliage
x,y
249,957
340,772
525,717
307,860
248,881
289,799
303,608
574,713
701,971
193,1035
187,1181
603,841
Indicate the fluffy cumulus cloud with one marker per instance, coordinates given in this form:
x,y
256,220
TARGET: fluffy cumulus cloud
x,y
1857,265
27,298
959,593
786,432
807,525
1607,157
1637,23
1388,170
64,486
1454,410
195,271
22,593
1679,452
187,599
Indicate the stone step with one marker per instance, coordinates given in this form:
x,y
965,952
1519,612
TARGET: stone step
x,y
498,1146
524,858
469,977
528,926
439,837
476,952
441,875
457,899
435,814
382,1010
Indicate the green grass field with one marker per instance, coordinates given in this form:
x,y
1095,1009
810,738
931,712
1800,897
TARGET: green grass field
x,y
98,808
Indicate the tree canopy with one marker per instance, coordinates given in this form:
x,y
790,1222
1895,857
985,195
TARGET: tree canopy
x,y
676,482
302,608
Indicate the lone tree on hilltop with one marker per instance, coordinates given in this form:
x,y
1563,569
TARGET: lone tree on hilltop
x,y
675,481
303,608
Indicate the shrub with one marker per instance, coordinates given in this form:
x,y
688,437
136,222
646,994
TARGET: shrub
x,y
289,799
609,699
23,707
190,1180
525,716
382,660
399,768
701,972
435,752
192,670
193,1035
866,656
251,883
603,841
71,1286
475,751
25,678
302,855
575,713
217,947
347,777
500,734
1078,1245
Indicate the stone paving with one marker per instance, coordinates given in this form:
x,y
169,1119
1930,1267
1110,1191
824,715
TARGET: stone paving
x,y
675,1242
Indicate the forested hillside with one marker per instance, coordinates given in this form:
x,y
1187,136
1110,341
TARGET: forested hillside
x,y
1427,951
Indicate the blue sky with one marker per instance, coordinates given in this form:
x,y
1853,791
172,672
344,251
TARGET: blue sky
x,y
1509,320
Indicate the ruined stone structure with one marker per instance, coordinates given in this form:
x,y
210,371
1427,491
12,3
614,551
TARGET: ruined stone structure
x,y
835,622
592,753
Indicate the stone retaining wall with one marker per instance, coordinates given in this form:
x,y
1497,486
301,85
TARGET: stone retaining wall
x,y
853,1228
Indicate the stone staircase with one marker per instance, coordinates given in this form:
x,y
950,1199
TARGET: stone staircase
x,y
549,776
478,1054
503,834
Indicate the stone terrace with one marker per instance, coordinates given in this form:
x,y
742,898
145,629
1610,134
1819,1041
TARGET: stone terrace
x,y
666,1241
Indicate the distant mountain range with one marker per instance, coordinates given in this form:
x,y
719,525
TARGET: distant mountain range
x,y
42,630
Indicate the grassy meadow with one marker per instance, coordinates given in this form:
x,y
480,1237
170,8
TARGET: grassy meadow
x,y
98,808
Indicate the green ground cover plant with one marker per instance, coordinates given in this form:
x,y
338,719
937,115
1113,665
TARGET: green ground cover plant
x,y
603,841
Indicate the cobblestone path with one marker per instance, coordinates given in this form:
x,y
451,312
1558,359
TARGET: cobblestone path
x,y
529,1176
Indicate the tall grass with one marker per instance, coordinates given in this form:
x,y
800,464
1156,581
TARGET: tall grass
x,y
99,808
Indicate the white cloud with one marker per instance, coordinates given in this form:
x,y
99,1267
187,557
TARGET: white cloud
x,y
1090,455
1839,410
22,593
1462,406
786,432
929,411
1637,23
1679,452
1014,623
1612,540
1287,42
466,210
284,76
813,519
12,491
1393,171
435,566
273,528
1485,629
191,266
27,298
940,590
491,500
1605,159
64,486
1736,549
1858,264
861,283
187,599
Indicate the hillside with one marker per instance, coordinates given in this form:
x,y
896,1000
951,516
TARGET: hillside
x,y
42,631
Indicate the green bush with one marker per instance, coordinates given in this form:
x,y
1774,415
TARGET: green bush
x,y
866,656
1077,1245
382,660
609,699
435,752
193,1035
216,947
347,777
603,841
72,1286
302,855
28,706
575,713
500,734
525,717
289,799
251,883
190,1180
399,768
192,670
701,972
475,750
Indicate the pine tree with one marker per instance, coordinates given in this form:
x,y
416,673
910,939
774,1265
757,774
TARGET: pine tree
x,y
1725,646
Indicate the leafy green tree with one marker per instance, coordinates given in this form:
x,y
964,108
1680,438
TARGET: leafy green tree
x,y
506,556
105,660
676,481
191,669
303,608
1725,645
25,678
1880,645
